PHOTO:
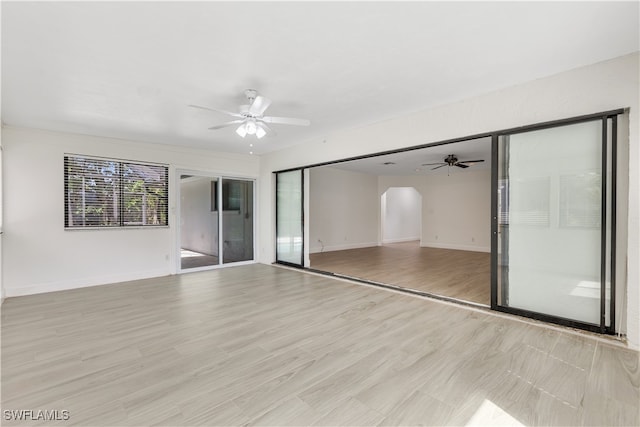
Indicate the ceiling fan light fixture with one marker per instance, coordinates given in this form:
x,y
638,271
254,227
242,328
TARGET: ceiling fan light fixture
x,y
250,126
242,130
251,117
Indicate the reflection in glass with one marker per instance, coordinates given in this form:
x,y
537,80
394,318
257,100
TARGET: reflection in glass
x,y
580,199
549,228
289,246
237,220
198,222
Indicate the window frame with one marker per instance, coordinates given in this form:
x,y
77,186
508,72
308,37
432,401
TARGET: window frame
x,y
123,221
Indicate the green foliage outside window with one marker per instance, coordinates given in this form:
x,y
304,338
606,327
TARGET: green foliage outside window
x,y
113,193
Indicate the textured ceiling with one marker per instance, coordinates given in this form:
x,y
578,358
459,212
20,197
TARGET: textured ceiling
x,y
129,69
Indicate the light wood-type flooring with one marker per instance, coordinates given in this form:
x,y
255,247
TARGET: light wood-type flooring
x,y
463,275
265,345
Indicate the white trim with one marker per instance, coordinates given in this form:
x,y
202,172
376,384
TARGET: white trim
x,y
455,246
113,159
42,288
401,240
331,248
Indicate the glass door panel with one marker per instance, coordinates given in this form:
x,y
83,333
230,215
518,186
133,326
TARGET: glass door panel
x,y
237,220
198,222
550,221
289,217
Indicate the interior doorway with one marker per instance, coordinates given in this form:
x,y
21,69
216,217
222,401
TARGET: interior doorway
x,y
401,215
417,220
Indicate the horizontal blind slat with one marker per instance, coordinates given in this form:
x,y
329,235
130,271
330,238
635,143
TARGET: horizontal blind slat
x,y
112,193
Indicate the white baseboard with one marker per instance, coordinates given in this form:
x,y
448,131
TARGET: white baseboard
x,y
65,285
330,248
402,240
455,246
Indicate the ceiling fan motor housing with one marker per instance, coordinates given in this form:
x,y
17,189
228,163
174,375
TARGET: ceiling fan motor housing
x,y
251,94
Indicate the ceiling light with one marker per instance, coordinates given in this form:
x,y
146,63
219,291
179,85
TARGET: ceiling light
x,y
250,126
242,131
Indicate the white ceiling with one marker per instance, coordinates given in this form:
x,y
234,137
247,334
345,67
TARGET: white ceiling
x,y
129,69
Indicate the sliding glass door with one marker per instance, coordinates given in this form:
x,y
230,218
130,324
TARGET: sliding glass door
x,y
554,223
290,217
216,220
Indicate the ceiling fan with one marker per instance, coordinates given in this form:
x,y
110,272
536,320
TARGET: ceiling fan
x,y
251,117
452,160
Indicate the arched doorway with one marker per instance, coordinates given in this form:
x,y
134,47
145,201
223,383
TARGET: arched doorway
x,y
401,215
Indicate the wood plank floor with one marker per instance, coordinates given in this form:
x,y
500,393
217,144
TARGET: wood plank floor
x,y
464,275
264,345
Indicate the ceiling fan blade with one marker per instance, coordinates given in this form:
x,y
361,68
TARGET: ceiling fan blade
x,y
216,110
267,129
260,104
438,167
433,164
472,161
286,121
224,125
460,165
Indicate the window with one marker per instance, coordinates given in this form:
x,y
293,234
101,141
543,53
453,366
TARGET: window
x,y
114,193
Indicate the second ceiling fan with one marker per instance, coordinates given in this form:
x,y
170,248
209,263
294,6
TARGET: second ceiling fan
x,y
452,160
251,118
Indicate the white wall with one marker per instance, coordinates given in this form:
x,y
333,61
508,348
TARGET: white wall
x,y
456,209
343,209
40,256
401,212
2,293
599,87
451,212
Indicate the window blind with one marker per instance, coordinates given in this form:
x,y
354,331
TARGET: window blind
x,y
114,193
